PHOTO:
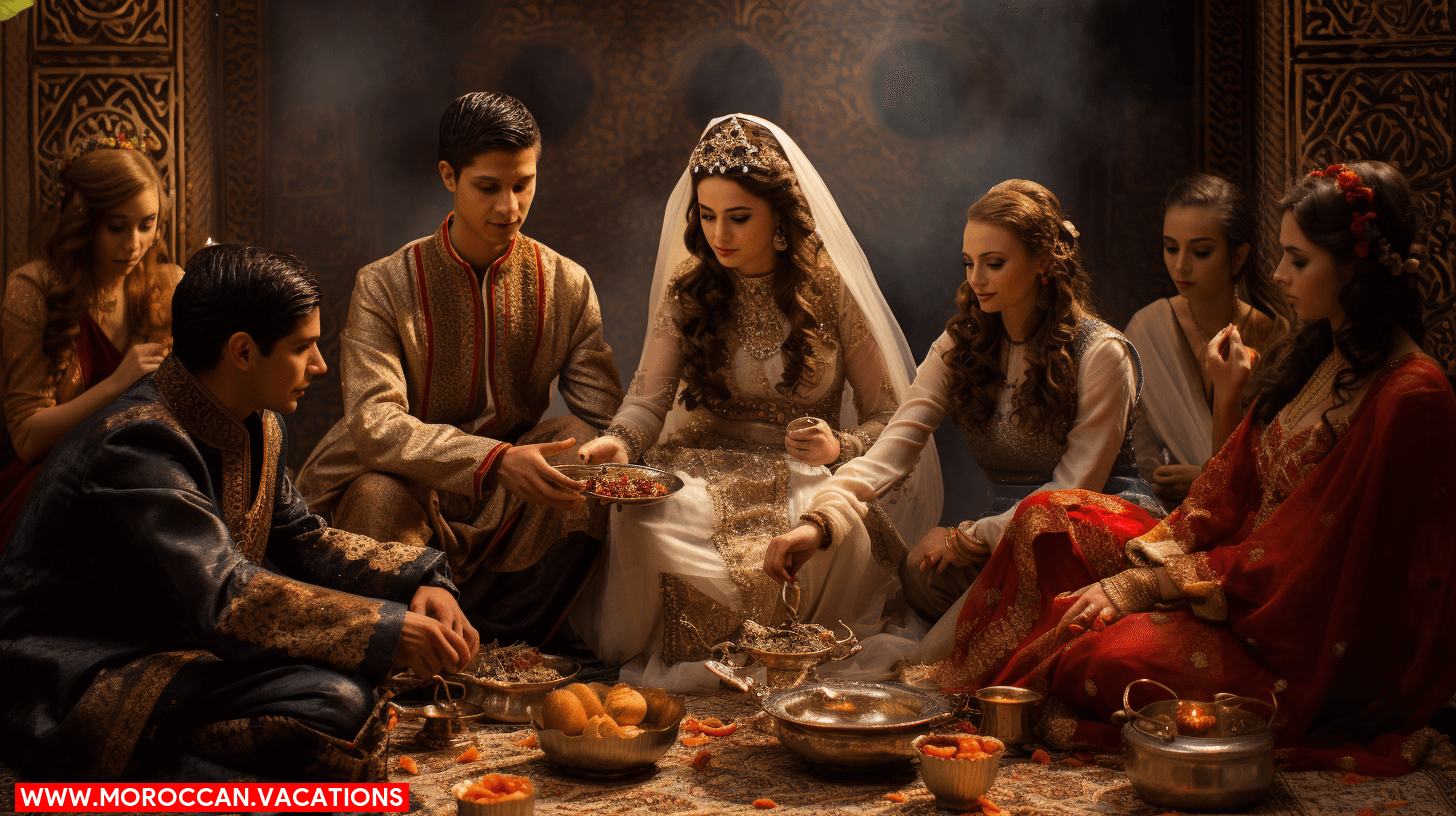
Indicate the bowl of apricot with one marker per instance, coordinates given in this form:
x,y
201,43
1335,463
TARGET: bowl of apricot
x,y
958,769
495,795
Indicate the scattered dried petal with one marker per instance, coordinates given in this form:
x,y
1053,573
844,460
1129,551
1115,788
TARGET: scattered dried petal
x,y
1086,757
720,730
987,806
408,765
700,760
1367,812
896,797
696,740
393,719
528,742
471,754
1354,779
962,725
691,725
1397,803
1041,756
765,804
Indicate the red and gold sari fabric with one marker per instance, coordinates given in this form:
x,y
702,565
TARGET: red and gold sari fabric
x,y
1318,567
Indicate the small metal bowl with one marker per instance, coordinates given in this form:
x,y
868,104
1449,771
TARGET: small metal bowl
x,y
616,756
508,702
583,472
444,724
514,807
956,783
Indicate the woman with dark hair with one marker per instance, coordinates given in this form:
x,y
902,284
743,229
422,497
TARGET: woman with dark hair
x,y
93,313
1312,560
1208,230
1042,389
766,313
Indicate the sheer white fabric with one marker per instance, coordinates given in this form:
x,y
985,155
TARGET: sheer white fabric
x,y
918,507
1175,414
1106,390
622,617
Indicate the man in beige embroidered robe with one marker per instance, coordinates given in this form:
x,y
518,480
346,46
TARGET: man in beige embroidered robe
x,y
448,357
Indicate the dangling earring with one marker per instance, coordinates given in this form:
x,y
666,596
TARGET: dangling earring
x,y
781,242
1043,279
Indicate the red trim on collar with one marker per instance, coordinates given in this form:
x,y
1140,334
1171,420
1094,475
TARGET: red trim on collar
x,y
540,306
429,331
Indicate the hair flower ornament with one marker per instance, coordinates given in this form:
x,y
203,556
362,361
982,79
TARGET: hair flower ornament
x,y
119,140
1071,229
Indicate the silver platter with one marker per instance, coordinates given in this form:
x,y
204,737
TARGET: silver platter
x,y
582,472
848,706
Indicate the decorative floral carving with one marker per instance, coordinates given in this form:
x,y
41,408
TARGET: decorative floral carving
x,y
105,24
1336,21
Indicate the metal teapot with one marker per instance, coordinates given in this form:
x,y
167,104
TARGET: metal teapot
x,y
1191,755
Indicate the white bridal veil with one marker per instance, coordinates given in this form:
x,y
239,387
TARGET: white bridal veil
x,y
915,504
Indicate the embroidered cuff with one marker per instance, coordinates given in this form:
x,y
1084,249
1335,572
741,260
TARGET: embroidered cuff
x,y
1132,591
822,522
634,440
847,449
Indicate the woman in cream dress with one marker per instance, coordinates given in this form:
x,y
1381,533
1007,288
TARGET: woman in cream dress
x,y
1208,227
1043,391
765,312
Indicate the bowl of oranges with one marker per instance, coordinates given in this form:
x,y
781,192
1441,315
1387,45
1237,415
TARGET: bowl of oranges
x,y
495,795
958,769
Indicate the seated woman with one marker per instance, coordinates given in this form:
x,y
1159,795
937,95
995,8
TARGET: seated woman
x,y
1043,391
766,311
1312,558
93,313
1208,229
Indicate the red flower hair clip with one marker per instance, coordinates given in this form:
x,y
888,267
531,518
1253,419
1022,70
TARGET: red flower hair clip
x,y
1356,193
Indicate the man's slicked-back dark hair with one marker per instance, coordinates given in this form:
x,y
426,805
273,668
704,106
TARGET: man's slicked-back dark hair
x,y
481,121
231,288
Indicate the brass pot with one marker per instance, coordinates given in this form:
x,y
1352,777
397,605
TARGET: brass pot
x,y
1006,713
1229,766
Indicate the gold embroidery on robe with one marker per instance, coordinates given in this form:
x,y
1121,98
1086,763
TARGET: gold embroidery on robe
x,y
303,620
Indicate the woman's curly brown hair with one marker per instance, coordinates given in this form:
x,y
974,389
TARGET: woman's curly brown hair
x,y
704,293
1046,401
95,183
1375,302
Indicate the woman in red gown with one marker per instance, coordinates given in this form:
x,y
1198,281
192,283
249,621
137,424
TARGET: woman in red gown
x,y
1313,557
92,315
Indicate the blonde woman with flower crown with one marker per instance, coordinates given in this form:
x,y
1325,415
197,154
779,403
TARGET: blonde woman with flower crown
x,y
765,312
92,314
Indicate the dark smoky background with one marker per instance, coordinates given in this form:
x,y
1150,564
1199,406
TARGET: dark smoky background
x,y
909,110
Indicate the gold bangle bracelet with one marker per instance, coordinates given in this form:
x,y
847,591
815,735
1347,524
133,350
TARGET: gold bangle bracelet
x,y
818,520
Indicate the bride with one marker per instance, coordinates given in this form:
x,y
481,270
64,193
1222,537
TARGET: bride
x,y
765,312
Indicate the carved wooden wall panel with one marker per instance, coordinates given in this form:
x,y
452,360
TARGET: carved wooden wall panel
x,y
187,71
109,26
70,104
1375,80
1349,77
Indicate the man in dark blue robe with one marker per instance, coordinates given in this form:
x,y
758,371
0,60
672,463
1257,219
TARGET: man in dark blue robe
x,y
170,608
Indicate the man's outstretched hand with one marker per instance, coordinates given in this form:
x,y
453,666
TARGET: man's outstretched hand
x,y
524,471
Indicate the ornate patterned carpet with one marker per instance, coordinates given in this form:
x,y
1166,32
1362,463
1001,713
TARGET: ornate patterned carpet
x,y
752,765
